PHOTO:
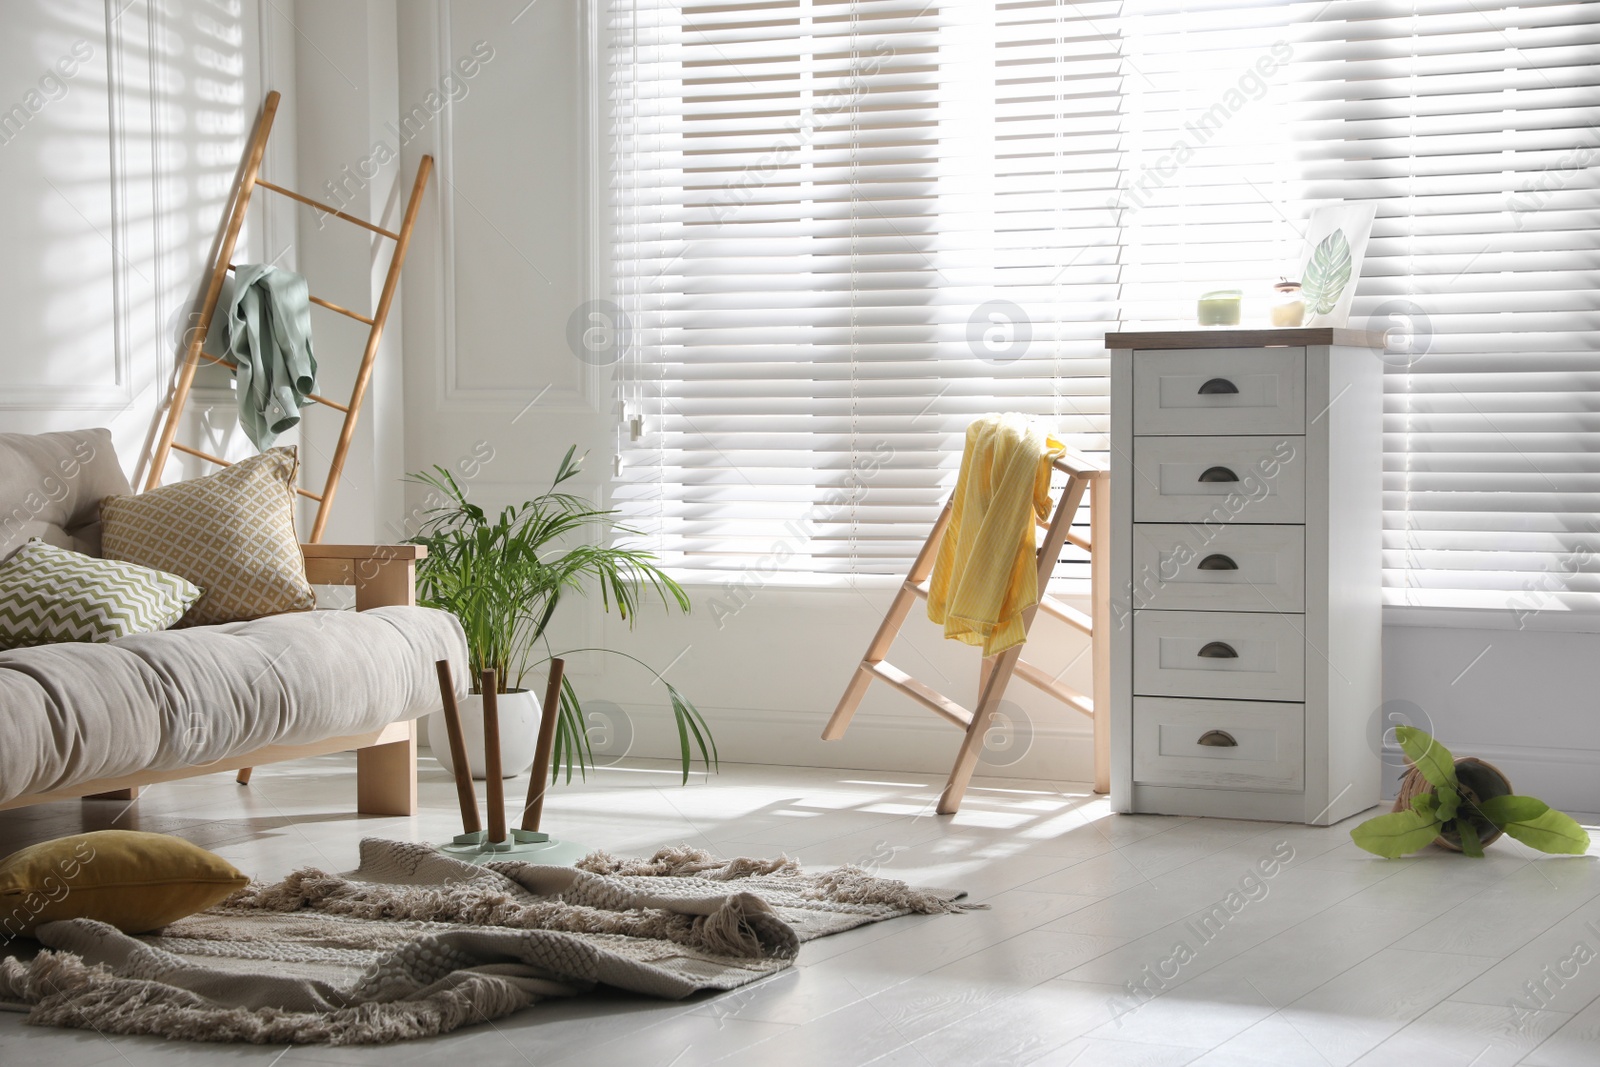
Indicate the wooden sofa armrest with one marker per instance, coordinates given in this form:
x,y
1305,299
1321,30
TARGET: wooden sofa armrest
x,y
384,575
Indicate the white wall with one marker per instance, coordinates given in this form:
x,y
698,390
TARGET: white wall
x,y
347,90
114,180
116,189
1525,699
492,391
500,259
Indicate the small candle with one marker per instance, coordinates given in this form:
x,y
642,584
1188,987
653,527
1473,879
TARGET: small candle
x,y
1220,308
1288,306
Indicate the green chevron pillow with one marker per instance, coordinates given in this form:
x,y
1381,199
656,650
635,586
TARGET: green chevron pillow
x,y
50,594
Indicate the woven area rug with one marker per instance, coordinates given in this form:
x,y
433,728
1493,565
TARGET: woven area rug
x,y
415,943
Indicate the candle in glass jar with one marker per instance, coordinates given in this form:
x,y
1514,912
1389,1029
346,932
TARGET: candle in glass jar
x,y
1288,306
1220,308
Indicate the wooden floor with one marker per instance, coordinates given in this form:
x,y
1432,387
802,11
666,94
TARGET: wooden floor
x,y
1335,958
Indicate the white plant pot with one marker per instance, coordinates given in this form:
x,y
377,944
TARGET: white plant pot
x,y
519,733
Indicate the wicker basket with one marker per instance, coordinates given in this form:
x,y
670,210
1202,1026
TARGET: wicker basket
x,y
1479,781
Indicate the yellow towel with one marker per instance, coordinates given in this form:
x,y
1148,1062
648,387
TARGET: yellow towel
x,y
986,574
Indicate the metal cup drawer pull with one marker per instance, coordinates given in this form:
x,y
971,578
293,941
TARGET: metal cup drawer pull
x,y
1218,474
1217,739
1218,650
1218,386
1217,562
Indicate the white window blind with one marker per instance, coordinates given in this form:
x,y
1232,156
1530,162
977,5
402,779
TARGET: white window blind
x,y
816,201
844,229
1474,128
1208,198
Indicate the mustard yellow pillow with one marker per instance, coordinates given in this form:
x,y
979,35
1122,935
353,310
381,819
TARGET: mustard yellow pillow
x,y
137,882
231,533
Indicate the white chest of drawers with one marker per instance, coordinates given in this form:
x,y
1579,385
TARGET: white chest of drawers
x,y
1246,654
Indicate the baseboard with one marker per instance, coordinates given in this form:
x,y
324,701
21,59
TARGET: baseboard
x,y
1565,778
1059,749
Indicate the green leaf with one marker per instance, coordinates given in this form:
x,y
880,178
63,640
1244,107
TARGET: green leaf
x,y
688,715
1448,803
683,744
1426,804
1470,845
1396,834
1435,762
1551,832
1509,809
1327,273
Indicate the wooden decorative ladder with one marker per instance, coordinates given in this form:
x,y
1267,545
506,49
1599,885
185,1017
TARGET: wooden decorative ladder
x,y
239,202
1084,477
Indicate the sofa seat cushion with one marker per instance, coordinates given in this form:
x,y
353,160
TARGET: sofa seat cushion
x,y
181,698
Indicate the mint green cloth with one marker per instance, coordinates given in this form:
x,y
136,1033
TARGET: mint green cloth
x,y
263,324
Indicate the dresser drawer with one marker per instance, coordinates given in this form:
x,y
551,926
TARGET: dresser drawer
x,y
1180,566
1224,390
1225,744
1219,479
1226,654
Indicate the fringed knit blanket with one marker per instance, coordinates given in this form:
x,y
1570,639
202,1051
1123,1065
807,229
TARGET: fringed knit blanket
x,y
416,943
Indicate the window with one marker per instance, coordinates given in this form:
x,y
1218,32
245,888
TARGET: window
x,y
1474,128
843,228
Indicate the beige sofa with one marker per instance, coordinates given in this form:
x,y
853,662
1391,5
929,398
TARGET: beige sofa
x,y
86,720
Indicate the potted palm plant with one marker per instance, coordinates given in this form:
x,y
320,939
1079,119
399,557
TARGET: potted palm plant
x,y
504,576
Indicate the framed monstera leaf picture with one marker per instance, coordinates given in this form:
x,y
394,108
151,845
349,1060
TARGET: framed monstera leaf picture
x,y
1336,241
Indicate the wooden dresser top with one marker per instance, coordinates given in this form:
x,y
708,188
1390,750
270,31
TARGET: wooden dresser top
x,y
1236,338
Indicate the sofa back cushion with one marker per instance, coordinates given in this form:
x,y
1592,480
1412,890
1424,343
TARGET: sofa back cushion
x,y
51,485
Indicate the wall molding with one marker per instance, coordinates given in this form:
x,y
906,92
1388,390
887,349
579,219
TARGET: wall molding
x,y
118,394
587,397
139,138
279,223
122,269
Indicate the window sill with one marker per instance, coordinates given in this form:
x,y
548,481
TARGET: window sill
x,y
704,583
709,582
1551,619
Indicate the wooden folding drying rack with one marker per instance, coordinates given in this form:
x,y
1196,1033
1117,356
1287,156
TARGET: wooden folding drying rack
x,y
1084,476
249,179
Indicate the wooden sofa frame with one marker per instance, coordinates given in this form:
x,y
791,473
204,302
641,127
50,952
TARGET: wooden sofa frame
x,y
386,759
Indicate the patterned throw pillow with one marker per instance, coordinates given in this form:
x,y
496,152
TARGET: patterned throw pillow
x,y
50,594
231,533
